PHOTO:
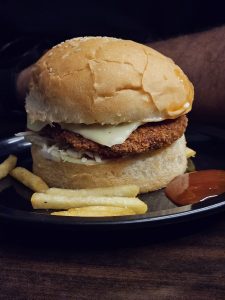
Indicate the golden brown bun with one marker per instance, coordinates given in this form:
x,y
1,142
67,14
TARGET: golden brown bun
x,y
108,81
149,171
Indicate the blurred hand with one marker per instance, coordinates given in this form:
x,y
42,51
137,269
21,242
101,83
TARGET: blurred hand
x,y
22,83
202,57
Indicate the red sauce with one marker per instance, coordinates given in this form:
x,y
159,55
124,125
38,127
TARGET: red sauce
x,y
193,187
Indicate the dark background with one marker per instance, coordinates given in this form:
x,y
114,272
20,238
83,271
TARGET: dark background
x,y
138,20
53,21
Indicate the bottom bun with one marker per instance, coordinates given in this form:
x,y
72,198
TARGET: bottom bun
x,y
150,171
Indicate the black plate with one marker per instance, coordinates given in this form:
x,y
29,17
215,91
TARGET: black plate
x,y
209,142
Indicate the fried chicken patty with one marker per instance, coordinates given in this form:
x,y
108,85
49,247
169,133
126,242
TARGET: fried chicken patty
x,y
150,136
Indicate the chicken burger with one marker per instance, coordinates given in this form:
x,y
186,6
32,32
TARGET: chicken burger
x,y
107,112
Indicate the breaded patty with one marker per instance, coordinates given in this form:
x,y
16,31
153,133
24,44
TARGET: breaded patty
x,y
150,136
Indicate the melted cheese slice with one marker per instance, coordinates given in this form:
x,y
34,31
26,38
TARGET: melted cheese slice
x,y
107,135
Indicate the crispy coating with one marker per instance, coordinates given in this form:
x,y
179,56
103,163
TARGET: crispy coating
x,y
151,136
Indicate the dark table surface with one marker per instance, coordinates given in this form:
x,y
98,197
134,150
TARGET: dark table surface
x,y
180,262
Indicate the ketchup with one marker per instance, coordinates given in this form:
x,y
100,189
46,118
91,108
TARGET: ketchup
x,y
196,186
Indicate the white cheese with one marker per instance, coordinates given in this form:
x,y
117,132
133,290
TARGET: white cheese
x,y
106,135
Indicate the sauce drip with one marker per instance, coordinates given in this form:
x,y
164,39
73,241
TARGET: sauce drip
x,y
197,186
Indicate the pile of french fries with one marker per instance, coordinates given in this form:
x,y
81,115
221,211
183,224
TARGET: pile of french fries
x,y
95,202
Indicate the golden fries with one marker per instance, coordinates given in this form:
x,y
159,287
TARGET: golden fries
x,y
190,166
47,201
7,165
95,202
30,180
95,211
118,191
190,152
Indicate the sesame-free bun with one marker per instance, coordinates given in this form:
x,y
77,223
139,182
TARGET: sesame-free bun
x,y
107,81
150,171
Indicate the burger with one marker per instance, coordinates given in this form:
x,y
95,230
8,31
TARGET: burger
x,y
106,112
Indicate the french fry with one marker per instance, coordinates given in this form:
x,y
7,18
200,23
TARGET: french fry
x,y
119,191
95,211
190,166
29,179
58,202
190,152
7,165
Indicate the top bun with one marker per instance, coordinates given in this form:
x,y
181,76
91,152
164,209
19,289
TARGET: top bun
x,y
107,81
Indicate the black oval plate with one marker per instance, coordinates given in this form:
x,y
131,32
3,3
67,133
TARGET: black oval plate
x,y
15,206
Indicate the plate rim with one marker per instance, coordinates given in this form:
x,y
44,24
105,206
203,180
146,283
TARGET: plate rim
x,y
179,217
